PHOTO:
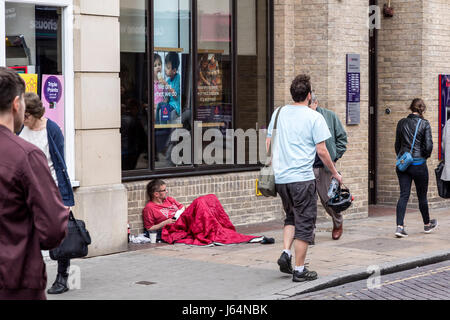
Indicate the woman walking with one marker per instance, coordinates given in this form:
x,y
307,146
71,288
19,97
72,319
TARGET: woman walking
x,y
421,148
47,136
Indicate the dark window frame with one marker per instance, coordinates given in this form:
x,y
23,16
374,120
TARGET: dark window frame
x,y
197,170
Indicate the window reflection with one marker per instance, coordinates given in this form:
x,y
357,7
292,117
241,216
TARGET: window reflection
x,y
252,75
33,42
214,74
134,88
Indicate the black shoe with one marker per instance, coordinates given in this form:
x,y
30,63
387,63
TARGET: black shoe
x,y
60,284
431,227
285,263
306,275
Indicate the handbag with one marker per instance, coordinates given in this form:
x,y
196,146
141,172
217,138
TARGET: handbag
x,y
75,244
266,180
406,159
442,186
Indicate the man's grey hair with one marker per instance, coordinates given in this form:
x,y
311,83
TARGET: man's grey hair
x,y
313,97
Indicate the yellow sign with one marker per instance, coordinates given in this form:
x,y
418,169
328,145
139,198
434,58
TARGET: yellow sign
x,y
31,81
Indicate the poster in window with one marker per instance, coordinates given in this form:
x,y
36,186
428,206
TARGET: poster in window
x,y
53,98
167,77
210,89
31,82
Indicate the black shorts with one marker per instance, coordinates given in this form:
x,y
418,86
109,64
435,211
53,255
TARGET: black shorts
x,y
300,204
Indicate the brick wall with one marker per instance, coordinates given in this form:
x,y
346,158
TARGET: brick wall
x,y
314,36
436,60
235,191
413,50
317,36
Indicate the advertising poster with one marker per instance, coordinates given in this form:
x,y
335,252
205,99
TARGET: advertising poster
x,y
53,98
211,108
167,77
31,82
444,106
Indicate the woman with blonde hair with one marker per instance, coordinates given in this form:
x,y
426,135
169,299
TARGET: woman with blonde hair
x,y
47,136
414,134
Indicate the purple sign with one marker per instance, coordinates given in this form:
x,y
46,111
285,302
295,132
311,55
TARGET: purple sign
x,y
52,90
353,89
52,94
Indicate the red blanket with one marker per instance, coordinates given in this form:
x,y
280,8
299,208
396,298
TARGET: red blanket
x,y
202,223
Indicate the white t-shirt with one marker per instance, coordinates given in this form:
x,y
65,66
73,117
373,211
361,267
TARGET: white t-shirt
x,y
299,130
40,140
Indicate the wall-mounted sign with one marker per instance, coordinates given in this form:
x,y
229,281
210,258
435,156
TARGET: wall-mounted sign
x,y
444,106
353,89
53,98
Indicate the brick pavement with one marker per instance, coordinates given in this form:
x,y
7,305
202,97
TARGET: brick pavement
x,y
425,283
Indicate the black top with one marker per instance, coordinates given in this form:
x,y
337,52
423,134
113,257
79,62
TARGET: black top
x,y
404,137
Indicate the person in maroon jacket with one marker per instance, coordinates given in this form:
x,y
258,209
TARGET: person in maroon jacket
x,y
32,214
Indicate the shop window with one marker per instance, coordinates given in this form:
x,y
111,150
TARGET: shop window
x,y
252,73
33,49
134,62
208,71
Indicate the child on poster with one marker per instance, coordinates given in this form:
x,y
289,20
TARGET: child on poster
x,y
158,79
173,82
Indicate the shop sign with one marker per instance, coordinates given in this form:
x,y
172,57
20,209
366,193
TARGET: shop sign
x,y
53,98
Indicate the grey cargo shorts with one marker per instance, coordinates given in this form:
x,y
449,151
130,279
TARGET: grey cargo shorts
x,y
300,204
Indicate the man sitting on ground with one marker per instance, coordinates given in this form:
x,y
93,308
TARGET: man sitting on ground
x,y
161,209
204,222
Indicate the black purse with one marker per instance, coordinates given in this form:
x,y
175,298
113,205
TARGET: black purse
x,y
443,186
75,244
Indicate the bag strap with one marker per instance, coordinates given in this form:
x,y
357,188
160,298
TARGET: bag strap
x,y
415,135
269,152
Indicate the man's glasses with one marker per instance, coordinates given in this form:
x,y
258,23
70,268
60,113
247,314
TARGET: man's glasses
x,y
165,190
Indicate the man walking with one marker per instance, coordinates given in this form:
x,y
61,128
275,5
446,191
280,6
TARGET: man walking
x,y
32,214
300,133
336,146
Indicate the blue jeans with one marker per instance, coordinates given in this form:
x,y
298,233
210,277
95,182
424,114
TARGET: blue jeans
x,y
418,174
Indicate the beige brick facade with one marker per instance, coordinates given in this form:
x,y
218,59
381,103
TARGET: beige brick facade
x,y
309,37
313,37
413,50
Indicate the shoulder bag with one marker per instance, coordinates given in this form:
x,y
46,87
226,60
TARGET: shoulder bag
x,y
75,244
442,186
406,159
266,181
